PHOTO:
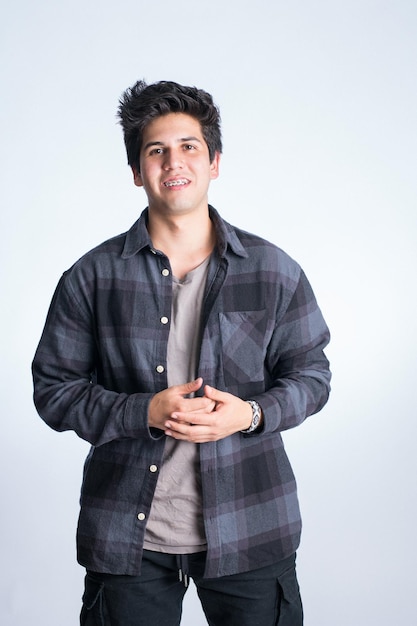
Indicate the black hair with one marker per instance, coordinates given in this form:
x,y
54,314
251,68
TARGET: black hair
x,y
142,103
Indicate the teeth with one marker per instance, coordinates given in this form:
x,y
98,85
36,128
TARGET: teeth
x,y
175,183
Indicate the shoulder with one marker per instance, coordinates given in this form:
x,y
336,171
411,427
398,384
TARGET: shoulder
x,y
99,258
113,253
267,255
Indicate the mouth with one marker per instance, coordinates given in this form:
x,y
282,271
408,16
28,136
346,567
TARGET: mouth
x,y
177,182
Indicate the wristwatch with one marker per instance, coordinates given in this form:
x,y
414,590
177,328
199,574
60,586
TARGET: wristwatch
x,y
256,417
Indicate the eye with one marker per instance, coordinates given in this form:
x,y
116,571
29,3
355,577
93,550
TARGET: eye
x,y
156,151
189,147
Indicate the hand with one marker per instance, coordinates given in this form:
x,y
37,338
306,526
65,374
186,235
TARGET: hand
x,y
230,415
173,400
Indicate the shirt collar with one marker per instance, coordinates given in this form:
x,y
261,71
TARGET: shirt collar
x,y
137,238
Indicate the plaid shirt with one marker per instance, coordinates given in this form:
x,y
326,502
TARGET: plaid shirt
x,y
103,354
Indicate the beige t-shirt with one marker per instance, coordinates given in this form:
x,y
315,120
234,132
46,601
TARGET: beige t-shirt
x,y
175,524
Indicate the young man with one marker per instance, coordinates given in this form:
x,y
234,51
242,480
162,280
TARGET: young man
x,y
180,350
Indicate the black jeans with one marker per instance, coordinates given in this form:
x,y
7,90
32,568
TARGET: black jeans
x,y
265,597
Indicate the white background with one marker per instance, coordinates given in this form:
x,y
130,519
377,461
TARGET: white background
x,y
319,105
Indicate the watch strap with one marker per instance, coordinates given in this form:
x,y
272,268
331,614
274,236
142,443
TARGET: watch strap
x,y
256,417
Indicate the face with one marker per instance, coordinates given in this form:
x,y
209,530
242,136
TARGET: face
x,y
175,167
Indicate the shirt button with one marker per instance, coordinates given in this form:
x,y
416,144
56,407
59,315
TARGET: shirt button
x,y
160,369
165,272
164,320
141,516
153,469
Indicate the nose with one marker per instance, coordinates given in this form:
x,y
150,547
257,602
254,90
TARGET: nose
x,y
173,160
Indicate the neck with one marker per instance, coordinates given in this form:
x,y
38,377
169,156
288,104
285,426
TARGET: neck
x,y
187,240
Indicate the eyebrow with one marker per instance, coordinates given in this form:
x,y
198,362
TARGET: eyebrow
x,y
181,140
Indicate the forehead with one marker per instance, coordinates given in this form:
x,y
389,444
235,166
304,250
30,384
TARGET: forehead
x,y
172,127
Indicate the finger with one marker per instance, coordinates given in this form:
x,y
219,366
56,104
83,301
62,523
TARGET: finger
x,y
190,419
190,387
195,434
214,394
208,408
194,405
178,428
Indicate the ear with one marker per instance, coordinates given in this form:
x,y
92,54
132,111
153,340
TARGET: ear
x,y
137,178
214,166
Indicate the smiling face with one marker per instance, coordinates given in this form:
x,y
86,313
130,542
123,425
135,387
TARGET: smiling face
x,y
175,167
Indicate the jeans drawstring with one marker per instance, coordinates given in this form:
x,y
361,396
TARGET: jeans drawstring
x,y
182,564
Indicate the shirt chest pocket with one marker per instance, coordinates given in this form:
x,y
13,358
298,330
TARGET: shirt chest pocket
x,y
244,336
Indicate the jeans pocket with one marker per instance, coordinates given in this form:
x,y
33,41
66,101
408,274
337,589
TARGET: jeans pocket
x,y
93,612
290,608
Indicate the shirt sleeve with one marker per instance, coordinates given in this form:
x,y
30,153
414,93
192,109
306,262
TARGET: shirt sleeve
x,y
298,368
66,393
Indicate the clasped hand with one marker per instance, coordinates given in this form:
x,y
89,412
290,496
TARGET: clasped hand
x,y
213,416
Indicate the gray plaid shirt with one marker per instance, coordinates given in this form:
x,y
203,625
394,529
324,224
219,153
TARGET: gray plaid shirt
x,y
103,354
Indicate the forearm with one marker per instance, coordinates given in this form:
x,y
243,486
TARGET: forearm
x,y
66,393
298,380
97,415
291,400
